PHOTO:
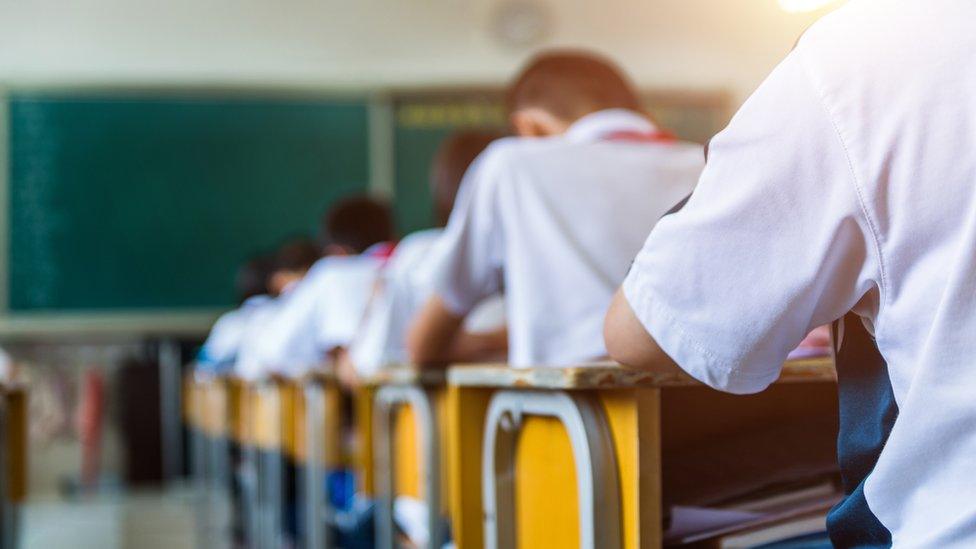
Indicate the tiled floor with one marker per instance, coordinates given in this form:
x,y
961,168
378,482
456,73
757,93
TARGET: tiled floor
x,y
147,520
167,520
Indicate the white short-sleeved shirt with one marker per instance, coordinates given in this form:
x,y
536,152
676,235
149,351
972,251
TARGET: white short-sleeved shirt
x,y
247,364
321,312
556,222
220,350
405,283
847,181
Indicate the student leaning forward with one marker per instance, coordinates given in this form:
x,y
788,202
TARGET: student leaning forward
x,y
847,182
555,215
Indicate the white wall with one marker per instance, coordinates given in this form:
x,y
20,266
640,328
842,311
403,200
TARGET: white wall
x,y
727,44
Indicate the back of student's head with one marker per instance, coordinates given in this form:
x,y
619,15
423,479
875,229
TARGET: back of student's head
x,y
354,224
296,254
453,157
253,277
292,260
569,84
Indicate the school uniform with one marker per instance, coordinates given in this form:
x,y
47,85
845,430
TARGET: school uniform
x,y
321,313
219,351
556,221
404,284
247,364
846,182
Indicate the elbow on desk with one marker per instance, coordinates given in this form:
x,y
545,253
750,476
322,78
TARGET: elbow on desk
x,y
628,342
421,349
619,351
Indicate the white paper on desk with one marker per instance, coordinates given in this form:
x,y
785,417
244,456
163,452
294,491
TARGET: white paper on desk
x,y
410,515
686,521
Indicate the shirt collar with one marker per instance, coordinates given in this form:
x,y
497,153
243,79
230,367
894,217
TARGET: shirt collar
x,y
600,124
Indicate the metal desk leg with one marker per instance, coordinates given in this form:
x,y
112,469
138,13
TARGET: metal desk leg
x,y
250,492
270,485
593,452
388,398
201,479
317,509
219,500
170,405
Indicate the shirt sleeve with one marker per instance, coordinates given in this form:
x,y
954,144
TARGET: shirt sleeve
x,y
467,260
285,340
772,243
370,348
341,303
224,340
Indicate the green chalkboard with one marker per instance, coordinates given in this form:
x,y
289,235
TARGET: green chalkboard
x,y
151,202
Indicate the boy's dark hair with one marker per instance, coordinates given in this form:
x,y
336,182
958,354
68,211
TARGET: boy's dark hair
x,y
454,155
570,84
253,276
356,223
296,255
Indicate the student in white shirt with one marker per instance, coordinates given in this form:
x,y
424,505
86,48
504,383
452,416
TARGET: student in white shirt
x,y
290,264
556,215
846,182
405,282
323,310
219,352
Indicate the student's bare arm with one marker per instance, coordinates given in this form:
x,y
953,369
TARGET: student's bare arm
x,y
480,346
431,336
629,343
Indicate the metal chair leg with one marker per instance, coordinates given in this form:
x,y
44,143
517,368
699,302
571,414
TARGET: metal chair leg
x,y
593,452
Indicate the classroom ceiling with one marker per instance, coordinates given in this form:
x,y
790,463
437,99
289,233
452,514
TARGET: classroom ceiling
x,y
728,44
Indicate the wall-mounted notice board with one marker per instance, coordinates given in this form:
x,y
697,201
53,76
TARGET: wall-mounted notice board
x,y
148,203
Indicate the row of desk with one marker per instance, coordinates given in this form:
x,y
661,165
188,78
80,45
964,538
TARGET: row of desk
x,y
590,456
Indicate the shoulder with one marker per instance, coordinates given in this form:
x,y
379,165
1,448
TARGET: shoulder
x,y
320,267
871,40
412,251
228,320
509,161
510,154
255,302
339,269
510,151
415,244
417,240
686,153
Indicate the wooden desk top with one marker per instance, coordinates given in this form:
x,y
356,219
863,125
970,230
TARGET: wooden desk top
x,y
319,375
608,375
408,375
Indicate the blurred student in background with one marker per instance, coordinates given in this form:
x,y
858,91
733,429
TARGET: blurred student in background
x,y
556,215
323,311
219,352
289,266
405,282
